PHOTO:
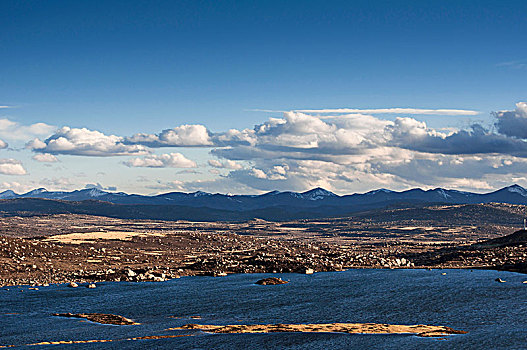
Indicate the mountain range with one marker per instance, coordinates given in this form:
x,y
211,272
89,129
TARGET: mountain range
x,y
274,205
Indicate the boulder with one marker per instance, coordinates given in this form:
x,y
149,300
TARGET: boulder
x,y
271,281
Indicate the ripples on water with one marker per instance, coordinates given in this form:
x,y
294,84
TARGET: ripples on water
x,y
493,313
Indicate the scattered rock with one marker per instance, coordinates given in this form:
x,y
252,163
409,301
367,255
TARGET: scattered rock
x,y
271,281
91,286
500,280
73,285
101,318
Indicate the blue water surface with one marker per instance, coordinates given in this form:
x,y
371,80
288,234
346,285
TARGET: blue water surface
x,y
493,313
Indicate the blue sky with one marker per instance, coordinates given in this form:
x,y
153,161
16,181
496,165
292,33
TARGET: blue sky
x,y
132,67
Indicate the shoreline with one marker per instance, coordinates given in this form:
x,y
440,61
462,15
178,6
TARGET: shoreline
x,y
86,283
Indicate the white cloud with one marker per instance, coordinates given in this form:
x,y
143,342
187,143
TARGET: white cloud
x,y
45,158
16,187
58,183
258,173
12,130
11,167
84,142
171,160
164,186
3,144
358,151
347,153
100,187
181,136
227,164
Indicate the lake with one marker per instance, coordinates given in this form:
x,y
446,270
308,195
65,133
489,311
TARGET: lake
x,y
493,313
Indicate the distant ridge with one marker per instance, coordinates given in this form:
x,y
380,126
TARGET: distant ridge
x,y
274,205
514,194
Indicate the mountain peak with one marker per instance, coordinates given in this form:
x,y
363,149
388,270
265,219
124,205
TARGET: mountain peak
x,y
517,189
380,190
201,194
95,192
36,191
317,193
8,194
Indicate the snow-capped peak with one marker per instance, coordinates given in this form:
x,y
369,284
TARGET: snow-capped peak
x,y
200,194
95,192
517,189
36,191
383,190
317,193
7,194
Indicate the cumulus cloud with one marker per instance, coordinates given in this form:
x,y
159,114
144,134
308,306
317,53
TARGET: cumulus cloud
x,y
3,144
160,185
227,164
513,123
58,183
181,136
45,158
12,130
411,134
171,160
301,150
11,167
351,150
84,142
16,187
100,187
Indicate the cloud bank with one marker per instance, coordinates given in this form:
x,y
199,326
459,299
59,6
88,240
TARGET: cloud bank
x,y
352,150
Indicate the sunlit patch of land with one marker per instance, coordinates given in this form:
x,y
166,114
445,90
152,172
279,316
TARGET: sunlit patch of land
x,y
87,237
352,328
69,342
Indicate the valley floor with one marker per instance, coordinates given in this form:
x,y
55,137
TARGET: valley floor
x,y
64,248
